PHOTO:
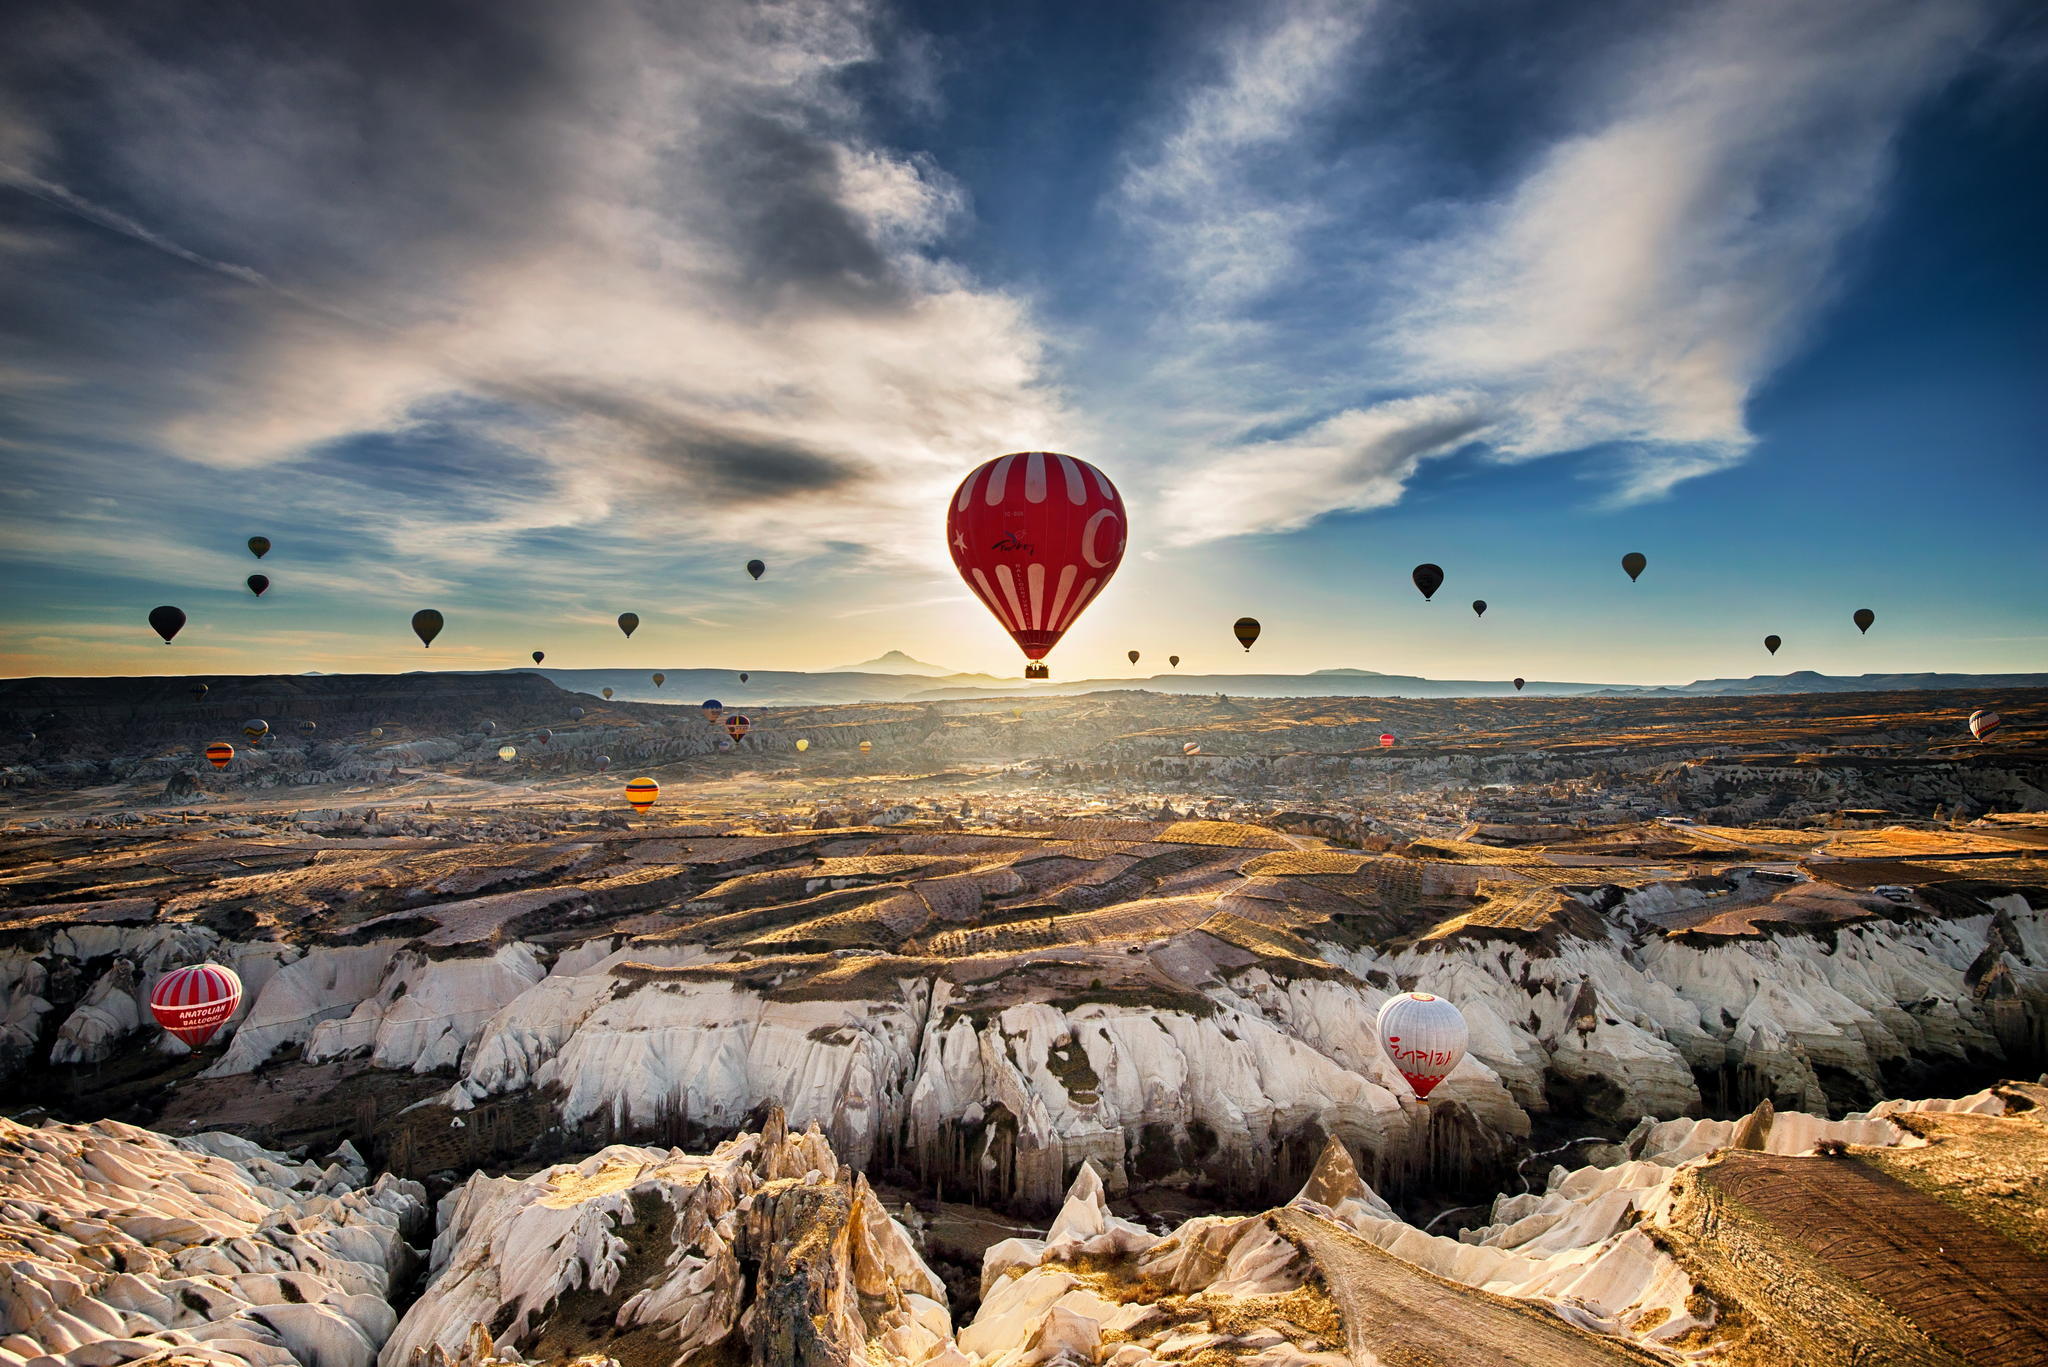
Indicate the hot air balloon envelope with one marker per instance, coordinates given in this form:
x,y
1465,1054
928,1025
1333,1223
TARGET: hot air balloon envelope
x,y
603,763
544,735
255,726
660,679
198,692
866,746
1386,740
427,624
1191,748
539,655
307,728
376,733
628,621
1635,562
1428,578
508,752
1519,683
1424,1037
489,728
1478,607
1036,535
1864,617
166,622
802,745
219,753
1984,721
607,695
1246,629
1771,643
642,792
1173,661
258,583
575,714
1134,657
756,568
193,1003
713,709
259,546
743,678
736,725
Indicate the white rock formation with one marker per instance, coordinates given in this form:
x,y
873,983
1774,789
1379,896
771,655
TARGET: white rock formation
x,y
120,1244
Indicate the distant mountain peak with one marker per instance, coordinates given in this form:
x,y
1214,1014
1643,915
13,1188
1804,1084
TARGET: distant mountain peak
x,y
895,662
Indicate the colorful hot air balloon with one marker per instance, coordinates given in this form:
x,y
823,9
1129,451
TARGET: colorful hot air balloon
x,y
543,735
713,710
1984,721
1864,617
1635,562
427,624
193,1003
1134,656
1428,578
1386,740
866,746
627,622
756,568
1191,748
1246,629
258,583
198,692
743,678
1519,683
307,728
802,745
603,763
1173,661
376,733
736,725
1424,1037
1478,607
508,752
166,622
1036,535
607,694
642,792
660,679
219,753
539,655
255,727
1771,643
259,546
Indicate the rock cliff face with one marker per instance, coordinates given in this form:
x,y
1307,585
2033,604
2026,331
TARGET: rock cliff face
x,y
121,1245
767,1244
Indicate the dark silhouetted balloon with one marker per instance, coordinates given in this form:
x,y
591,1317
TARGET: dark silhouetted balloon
x,y
219,753
628,622
427,624
1771,643
743,678
259,546
1635,562
1519,683
198,692
539,655
1428,578
166,622
756,568
1134,657
1864,617
660,679
258,583
607,694
1246,629
489,728
1036,536
575,714
1173,661
1478,607
603,762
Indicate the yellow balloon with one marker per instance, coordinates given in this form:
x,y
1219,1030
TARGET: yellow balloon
x,y
803,745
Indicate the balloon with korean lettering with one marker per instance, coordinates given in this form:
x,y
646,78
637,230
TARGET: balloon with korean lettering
x,y
1424,1036
1036,536
194,1003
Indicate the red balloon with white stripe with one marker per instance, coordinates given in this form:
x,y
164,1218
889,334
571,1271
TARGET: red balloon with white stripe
x,y
192,1003
1036,535
1424,1036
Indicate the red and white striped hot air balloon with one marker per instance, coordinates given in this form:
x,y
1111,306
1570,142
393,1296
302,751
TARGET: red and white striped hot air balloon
x,y
1386,740
192,1003
1424,1036
1036,535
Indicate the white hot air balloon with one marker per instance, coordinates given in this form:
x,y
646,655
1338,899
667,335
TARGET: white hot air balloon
x,y
1983,722
1424,1036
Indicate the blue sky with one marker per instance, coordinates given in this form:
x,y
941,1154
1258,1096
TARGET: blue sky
x,y
543,313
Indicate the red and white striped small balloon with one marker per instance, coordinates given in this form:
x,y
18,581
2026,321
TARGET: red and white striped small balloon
x,y
192,1003
1424,1036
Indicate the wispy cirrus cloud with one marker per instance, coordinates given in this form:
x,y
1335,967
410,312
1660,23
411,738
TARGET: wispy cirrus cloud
x,y
1630,284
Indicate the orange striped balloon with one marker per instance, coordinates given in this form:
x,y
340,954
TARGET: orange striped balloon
x,y
642,792
219,753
